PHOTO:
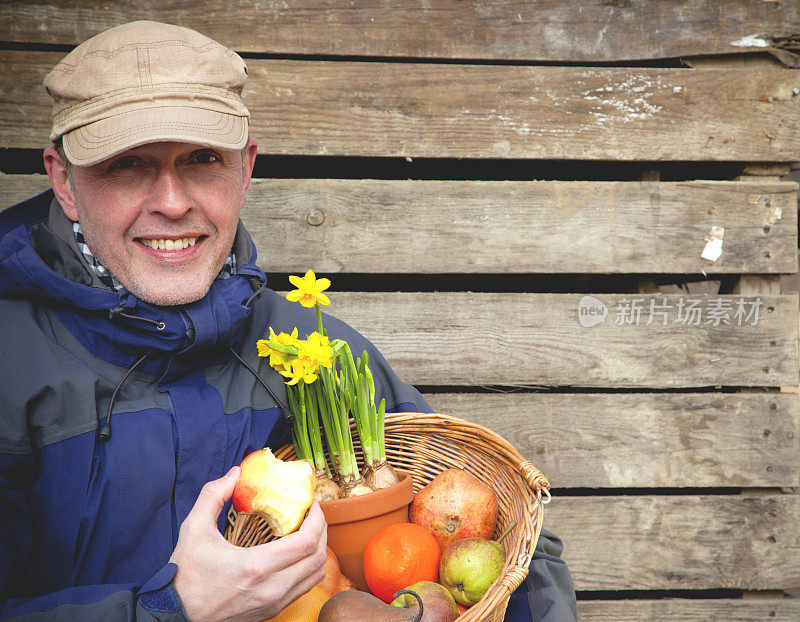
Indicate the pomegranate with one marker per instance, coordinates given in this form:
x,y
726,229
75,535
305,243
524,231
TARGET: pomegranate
x,y
453,506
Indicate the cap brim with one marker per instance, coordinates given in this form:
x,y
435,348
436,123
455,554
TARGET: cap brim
x,y
98,141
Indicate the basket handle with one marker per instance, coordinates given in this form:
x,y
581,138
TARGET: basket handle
x,y
513,578
535,478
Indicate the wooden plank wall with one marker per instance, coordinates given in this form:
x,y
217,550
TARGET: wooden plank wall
x,y
513,200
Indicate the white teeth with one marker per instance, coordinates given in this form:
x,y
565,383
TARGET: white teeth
x,y
165,244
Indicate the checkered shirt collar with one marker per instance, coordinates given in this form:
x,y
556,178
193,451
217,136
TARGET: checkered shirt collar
x,y
228,270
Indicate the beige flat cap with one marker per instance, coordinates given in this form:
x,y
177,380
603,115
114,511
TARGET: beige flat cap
x,y
146,82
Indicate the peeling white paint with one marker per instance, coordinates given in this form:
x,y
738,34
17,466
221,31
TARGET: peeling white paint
x,y
677,89
713,248
600,117
774,215
752,41
632,109
521,127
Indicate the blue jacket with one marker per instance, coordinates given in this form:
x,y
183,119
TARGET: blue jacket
x,y
86,525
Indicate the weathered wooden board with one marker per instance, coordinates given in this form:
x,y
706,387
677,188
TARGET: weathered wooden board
x,y
679,542
644,440
511,227
678,609
548,30
481,111
462,338
523,227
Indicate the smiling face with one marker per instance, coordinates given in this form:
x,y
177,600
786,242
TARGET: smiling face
x,y
161,217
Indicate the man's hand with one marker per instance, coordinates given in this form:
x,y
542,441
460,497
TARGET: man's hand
x,y
219,581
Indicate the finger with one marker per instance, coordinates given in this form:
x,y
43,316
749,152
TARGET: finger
x,y
312,531
315,520
213,496
300,577
308,542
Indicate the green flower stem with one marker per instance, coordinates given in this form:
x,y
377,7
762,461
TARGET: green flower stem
x,y
370,382
342,408
373,418
300,423
363,423
359,407
306,441
343,439
320,329
329,427
312,425
380,427
347,358
377,426
344,423
297,448
294,408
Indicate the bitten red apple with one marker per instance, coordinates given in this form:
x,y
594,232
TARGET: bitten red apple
x,y
279,491
455,505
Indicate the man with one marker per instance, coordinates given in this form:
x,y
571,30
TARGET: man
x,y
131,289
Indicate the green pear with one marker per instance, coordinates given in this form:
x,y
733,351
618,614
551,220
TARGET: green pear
x,y
468,567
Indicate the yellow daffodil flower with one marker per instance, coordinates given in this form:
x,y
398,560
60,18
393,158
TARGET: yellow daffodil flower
x,y
317,351
278,360
299,369
309,290
313,353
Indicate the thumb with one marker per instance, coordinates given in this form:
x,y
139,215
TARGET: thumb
x,y
213,496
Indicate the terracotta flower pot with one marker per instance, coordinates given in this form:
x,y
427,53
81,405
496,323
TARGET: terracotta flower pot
x,y
353,521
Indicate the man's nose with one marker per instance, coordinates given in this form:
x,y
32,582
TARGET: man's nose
x,y
169,195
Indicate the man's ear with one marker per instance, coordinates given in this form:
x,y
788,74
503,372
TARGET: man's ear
x,y
249,163
59,179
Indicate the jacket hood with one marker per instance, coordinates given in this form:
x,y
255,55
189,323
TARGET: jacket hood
x,y
40,262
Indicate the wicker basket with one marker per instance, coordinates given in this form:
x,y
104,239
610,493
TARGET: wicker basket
x,y
427,444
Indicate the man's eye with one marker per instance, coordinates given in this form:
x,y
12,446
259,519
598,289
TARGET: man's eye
x,y
123,163
206,157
